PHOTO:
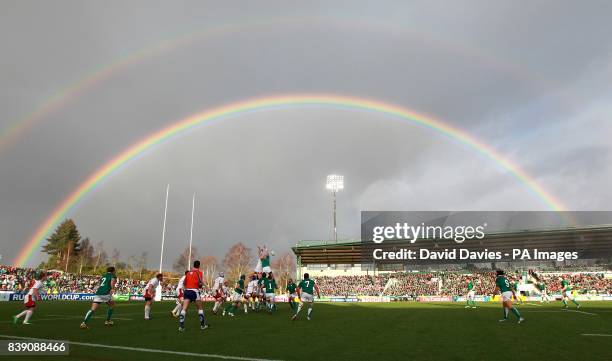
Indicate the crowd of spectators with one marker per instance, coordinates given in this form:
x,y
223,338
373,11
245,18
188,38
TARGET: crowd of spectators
x,y
401,284
451,283
16,279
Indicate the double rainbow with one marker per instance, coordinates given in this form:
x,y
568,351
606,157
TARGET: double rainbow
x,y
270,103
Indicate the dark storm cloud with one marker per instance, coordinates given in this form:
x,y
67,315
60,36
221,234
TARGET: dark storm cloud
x,y
515,75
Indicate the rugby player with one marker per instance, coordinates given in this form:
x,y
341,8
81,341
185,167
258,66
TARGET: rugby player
x,y
543,293
507,293
305,292
471,295
269,288
179,296
29,301
218,292
104,294
250,294
150,294
515,287
236,297
261,296
566,292
291,294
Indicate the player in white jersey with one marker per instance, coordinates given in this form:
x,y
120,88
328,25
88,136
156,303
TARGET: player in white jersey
x,y
150,294
251,294
29,301
218,293
180,287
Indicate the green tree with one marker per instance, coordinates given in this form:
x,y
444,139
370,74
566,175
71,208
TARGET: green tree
x,y
64,245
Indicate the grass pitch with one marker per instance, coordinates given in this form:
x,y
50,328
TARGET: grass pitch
x,y
391,331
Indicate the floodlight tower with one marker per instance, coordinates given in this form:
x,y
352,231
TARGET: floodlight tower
x,y
334,184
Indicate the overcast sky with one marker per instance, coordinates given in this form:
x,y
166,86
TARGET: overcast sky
x,y
531,79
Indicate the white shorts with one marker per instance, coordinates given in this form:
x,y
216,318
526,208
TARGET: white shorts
x,y
102,298
258,267
270,296
267,269
568,294
307,297
236,297
507,296
471,295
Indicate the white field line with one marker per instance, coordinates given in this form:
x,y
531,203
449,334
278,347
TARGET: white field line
x,y
68,317
529,303
595,334
586,313
34,319
140,349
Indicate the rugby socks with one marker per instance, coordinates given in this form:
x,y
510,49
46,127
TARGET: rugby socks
x,y
309,311
246,308
216,306
109,314
88,316
505,313
177,309
516,312
182,319
299,309
565,302
22,314
202,318
28,316
147,312
576,303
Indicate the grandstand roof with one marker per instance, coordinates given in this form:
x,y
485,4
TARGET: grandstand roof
x,y
597,239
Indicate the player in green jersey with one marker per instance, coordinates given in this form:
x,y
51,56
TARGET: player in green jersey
x,y
305,292
503,286
236,297
291,293
263,259
471,295
515,287
269,288
104,294
543,293
566,292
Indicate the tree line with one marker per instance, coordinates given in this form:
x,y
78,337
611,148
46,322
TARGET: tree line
x,y
67,251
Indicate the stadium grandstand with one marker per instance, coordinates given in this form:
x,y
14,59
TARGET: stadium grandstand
x,y
353,257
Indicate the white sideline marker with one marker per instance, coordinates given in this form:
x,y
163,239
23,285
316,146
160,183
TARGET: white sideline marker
x,y
70,317
595,334
586,313
140,349
531,304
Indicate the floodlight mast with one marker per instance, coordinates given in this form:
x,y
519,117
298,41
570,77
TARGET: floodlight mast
x,y
335,183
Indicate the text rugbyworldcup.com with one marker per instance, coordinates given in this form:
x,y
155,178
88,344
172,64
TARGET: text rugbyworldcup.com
x,y
404,231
